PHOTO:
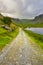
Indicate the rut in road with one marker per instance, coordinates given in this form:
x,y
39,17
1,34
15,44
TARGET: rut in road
x,y
23,53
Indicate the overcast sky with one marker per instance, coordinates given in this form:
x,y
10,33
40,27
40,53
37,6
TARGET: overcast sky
x,y
21,8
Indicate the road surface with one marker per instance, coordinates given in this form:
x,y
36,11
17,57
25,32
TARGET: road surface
x,y
22,52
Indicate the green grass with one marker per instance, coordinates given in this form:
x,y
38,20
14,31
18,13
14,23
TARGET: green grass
x,y
34,37
29,23
2,30
39,25
6,37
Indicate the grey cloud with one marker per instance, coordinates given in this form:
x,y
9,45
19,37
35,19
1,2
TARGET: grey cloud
x,y
21,8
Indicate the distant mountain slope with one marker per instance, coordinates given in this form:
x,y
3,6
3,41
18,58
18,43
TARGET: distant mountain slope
x,y
39,17
36,22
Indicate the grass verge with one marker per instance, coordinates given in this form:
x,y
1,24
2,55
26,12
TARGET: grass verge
x,y
36,38
6,37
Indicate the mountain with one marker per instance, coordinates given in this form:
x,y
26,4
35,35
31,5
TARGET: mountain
x,y
39,17
36,22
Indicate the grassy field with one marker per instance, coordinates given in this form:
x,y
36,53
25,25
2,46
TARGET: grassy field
x,y
34,37
27,24
6,37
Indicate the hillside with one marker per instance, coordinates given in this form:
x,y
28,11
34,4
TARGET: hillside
x,y
39,17
7,23
36,22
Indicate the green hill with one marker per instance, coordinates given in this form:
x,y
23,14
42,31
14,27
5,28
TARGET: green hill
x,y
8,31
36,22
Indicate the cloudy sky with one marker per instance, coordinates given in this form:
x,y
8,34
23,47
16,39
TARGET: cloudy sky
x,y
21,8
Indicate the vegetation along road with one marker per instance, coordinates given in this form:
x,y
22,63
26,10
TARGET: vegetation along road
x,y
22,52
